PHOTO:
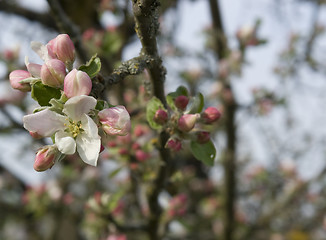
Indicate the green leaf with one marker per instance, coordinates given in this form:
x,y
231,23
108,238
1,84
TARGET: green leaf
x,y
153,105
204,152
170,102
197,104
92,67
182,91
43,94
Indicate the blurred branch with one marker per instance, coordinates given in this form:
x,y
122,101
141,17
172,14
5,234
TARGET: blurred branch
x,y
14,123
66,25
125,228
42,18
221,41
280,206
313,35
230,185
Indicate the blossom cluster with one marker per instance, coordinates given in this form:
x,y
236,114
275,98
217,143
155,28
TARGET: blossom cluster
x,y
75,121
182,124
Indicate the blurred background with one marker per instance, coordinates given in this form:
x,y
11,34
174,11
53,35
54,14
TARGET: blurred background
x,y
261,63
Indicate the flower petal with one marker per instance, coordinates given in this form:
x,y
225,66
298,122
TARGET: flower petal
x,y
45,122
41,50
88,148
89,127
77,106
65,143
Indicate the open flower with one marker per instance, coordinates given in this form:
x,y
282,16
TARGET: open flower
x,y
73,131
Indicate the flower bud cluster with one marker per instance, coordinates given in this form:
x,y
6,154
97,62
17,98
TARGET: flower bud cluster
x,y
58,56
182,124
75,121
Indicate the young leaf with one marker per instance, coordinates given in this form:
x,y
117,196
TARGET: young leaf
x,y
43,94
204,152
197,104
153,105
92,67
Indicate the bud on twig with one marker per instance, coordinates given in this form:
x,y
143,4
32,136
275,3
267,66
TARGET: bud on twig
x,y
18,75
181,102
187,122
161,117
45,158
53,73
77,83
210,115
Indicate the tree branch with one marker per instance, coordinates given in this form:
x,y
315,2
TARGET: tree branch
x,y
66,25
42,18
146,19
230,184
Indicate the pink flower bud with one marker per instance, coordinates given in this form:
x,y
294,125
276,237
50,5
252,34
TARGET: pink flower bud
x,y
18,75
115,120
187,122
174,144
210,115
181,102
53,73
203,137
141,156
45,158
63,48
77,83
160,117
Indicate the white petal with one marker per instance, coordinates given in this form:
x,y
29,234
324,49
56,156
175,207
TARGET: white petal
x,y
89,126
65,143
41,50
88,148
75,107
33,68
45,122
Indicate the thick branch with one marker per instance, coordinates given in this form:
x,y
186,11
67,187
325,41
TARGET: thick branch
x,y
146,19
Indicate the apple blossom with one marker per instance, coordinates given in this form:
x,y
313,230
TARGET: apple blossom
x,y
77,83
53,73
115,120
18,75
73,131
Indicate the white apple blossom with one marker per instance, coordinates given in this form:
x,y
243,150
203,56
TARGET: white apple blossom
x,y
74,130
